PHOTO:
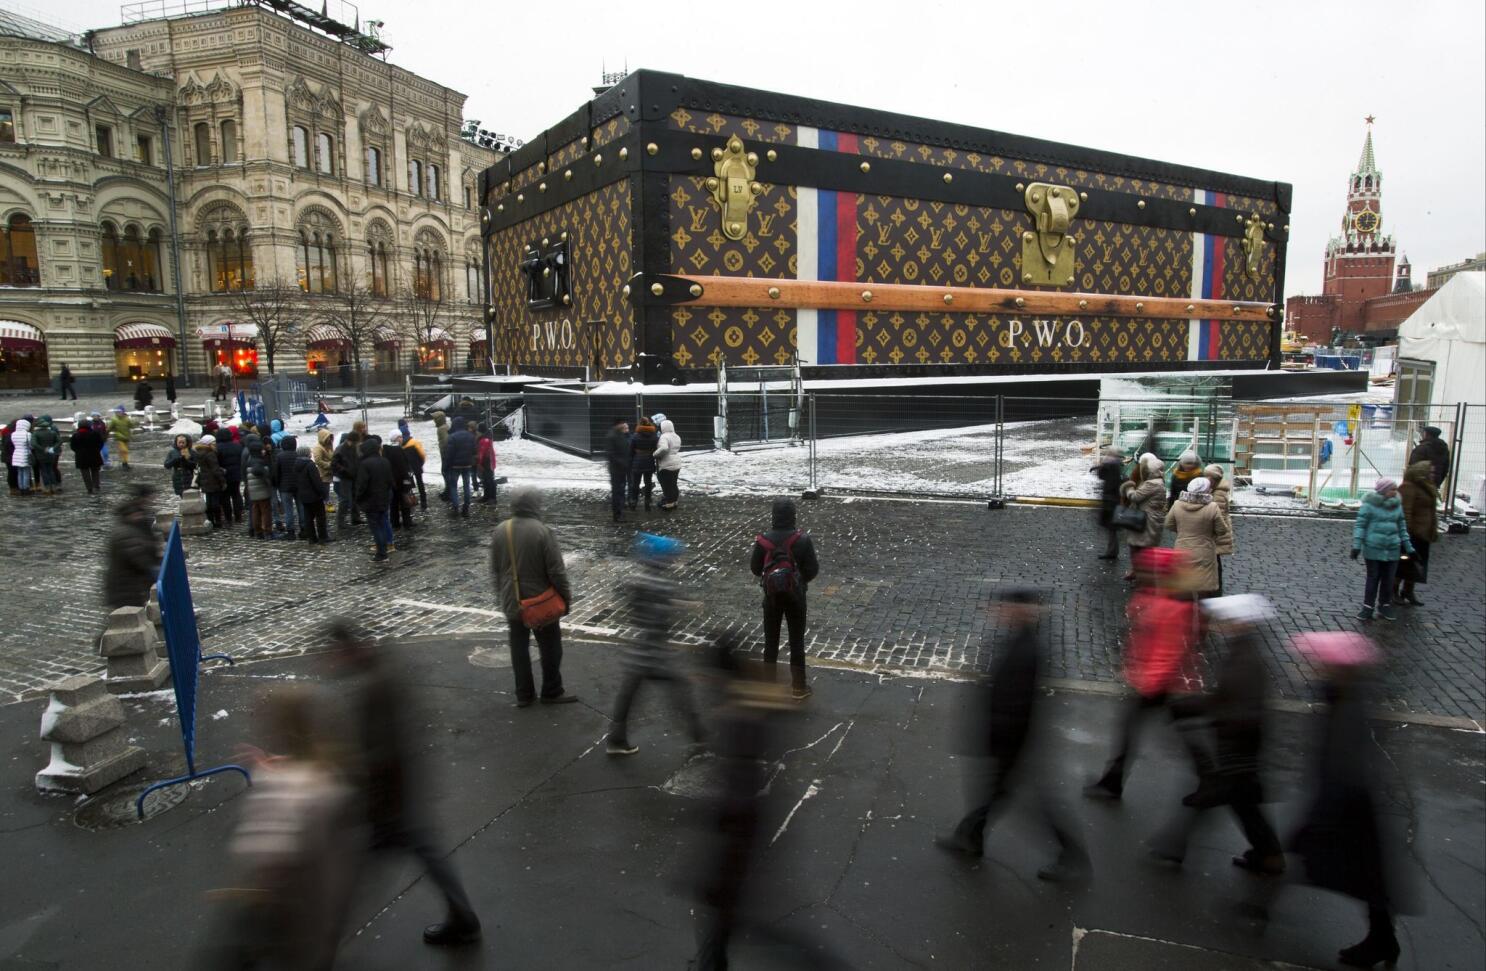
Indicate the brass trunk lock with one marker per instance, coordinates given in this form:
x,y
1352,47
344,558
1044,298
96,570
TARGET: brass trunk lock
x,y
733,187
1253,245
1047,252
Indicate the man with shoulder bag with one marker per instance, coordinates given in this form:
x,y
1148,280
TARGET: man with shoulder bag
x,y
532,585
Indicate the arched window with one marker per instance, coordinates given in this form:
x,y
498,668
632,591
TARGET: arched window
x,y
469,197
229,260
317,261
18,266
229,142
112,278
433,182
415,177
427,274
299,144
376,255
203,133
325,153
373,166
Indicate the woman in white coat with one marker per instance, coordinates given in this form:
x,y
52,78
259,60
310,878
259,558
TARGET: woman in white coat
x,y
20,459
668,464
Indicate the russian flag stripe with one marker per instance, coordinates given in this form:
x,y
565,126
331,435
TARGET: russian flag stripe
x,y
1207,283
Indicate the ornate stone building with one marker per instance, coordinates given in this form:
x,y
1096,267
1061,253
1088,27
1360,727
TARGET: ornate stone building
x,y
84,212
313,183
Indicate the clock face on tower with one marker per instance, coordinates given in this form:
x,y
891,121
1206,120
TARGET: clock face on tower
x,y
1365,221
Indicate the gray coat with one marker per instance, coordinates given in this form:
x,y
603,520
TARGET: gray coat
x,y
537,555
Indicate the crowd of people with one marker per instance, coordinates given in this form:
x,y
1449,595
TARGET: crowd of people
x,y
1179,616
32,449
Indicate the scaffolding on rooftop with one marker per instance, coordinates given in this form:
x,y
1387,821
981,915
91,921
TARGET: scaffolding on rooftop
x,y
345,26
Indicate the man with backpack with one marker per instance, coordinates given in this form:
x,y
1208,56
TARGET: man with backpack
x,y
785,563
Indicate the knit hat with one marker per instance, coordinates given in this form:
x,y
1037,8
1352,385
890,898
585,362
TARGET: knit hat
x,y
1189,458
206,440
121,409
396,438
658,417
1214,469
1199,486
1384,484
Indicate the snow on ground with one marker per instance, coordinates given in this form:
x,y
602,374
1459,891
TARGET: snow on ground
x,y
1040,459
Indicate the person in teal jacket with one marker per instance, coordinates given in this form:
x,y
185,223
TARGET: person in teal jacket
x,y
1381,536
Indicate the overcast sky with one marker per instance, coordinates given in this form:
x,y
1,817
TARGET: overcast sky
x,y
1275,90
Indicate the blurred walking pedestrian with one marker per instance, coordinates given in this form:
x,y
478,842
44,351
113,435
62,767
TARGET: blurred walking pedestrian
x,y
1234,712
1380,535
654,597
531,583
1145,494
181,463
373,495
1420,499
996,734
1342,842
1157,656
642,444
785,562
1111,473
230,455
388,771
1432,449
294,850
68,383
616,450
133,561
668,465
87,451
1199,526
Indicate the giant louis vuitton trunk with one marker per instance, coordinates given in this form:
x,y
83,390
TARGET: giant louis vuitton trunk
x,y
671,225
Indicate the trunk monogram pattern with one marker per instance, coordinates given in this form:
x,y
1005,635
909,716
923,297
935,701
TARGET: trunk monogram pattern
x,y
597,331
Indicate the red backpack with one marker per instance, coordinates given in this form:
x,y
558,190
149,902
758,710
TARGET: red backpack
x,y
781,574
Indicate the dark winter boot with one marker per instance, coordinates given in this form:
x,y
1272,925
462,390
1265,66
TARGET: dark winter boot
x,y
1365,613
799,688
1380,944
1387,612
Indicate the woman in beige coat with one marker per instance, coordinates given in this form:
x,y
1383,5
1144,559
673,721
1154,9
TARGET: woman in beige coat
x,y
1146,492
1222,491
1200,528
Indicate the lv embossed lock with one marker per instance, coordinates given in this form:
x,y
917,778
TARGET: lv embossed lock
x,y
732,186
1047,250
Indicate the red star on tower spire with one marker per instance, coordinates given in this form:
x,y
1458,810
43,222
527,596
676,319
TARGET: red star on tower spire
x,y
1370,119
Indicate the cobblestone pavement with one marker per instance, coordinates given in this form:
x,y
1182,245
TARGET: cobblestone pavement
x,y
903,585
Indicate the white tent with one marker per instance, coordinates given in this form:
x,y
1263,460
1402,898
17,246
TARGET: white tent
x,y
1449,330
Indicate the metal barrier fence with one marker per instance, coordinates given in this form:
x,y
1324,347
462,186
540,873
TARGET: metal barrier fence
x,y
1300,456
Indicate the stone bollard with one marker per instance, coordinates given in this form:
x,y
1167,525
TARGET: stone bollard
x,y
90,748
193,513
152,614
129,645
164,519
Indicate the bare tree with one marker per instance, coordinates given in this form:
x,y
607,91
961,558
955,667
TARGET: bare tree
x,y
418,311
272,305
354,313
